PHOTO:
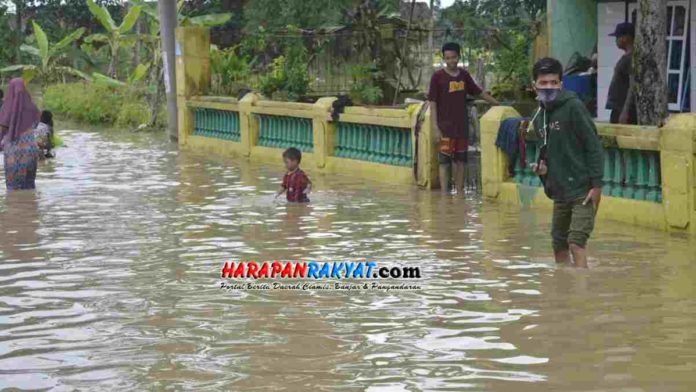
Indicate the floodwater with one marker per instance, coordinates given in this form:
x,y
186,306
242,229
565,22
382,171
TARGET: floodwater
x,y
110,275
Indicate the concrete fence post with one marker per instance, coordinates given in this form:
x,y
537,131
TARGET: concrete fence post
x,y
677,155
192,51
324,130
248,125
494,162
427,170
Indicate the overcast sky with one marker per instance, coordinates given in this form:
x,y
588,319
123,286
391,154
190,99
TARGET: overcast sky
x,y
446,3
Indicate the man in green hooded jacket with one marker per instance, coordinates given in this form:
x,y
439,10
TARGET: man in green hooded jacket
x,y
571,164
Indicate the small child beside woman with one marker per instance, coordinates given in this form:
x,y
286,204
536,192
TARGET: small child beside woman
x,y
44,135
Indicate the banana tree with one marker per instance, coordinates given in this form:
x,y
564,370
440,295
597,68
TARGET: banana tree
x,y
153,43
116,36
138,74
208,20
48,69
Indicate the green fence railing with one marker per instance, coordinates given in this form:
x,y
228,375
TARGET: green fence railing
x,y
629,174
221,124
285,132
374,143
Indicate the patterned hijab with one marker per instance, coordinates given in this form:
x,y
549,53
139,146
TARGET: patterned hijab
x,y
18,112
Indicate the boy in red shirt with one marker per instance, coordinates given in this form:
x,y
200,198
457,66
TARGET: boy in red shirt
x,y
449,88
296,184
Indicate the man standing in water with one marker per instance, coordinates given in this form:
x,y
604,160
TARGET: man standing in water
x,y
449,88
570,163
620,99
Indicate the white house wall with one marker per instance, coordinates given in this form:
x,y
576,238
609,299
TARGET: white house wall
x,y
609,15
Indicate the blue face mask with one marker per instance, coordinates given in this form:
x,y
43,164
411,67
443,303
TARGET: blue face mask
x,y
548,95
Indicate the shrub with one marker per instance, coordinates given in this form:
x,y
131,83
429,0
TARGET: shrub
x,y
98,103
132,115
365,88
289,75
230,71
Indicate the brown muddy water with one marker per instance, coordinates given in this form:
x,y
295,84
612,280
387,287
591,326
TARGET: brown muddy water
x,y
110,280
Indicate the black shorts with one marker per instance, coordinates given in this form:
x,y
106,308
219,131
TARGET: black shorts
x,y
444,159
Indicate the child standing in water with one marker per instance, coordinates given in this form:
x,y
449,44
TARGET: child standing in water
x,y
44,134
296,184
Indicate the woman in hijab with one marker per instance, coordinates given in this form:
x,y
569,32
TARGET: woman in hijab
x,y
17,118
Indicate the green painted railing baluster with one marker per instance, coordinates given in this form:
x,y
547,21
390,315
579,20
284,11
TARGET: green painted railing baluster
x,y
223,124
370,143
380,144
340,146
218,124
213,123
630,175
409,149
352,141
641,176
359,141
301,135
393,146
283,132
206,123
278,132
288,133
289,130
608,176
618,174
653,176
272,132
383,141
399,151
368,135
268,131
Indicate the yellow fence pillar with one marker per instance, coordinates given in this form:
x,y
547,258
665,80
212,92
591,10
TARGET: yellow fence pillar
x,y
494,163
677,150
324,130
192,73
427,170
249,126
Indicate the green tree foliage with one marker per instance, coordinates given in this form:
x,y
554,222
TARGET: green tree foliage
x,y
8,38
48,67
288,77
116,35
365,88
231,71
274,15
501,30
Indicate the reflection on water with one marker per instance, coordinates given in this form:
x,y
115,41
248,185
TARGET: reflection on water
x,y
109,279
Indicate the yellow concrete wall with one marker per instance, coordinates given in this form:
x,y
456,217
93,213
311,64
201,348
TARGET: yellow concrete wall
x,y
193,81
676,142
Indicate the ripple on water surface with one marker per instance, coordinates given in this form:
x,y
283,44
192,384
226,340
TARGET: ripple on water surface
x,y
109,279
